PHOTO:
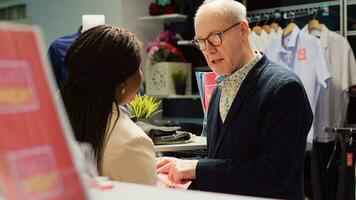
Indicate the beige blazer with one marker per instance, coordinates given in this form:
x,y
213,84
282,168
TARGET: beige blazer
x,y
129,154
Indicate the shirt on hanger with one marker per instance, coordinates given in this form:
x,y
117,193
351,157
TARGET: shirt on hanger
x,y
304,55
57,52
333,101
276,34
261,42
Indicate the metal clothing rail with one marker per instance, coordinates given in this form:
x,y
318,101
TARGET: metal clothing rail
x,y
285,15
296,7
288,12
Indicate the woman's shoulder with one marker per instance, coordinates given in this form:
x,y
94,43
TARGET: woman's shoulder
x,y
127,130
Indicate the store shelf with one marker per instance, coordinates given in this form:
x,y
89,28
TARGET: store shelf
x,y
21,21
185,43
165,18
202,69
351,33
351,2
189,96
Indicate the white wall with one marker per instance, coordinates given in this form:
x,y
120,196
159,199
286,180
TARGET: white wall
x,y
61,17
145,30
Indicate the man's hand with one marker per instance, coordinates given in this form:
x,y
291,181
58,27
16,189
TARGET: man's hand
x,y
179,171
163,164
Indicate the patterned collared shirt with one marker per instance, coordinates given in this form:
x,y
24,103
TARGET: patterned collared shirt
x,y
231,85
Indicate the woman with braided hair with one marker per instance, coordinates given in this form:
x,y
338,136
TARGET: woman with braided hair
x,y
103,67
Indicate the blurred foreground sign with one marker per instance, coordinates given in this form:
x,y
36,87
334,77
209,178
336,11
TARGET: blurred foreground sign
x,y
35,160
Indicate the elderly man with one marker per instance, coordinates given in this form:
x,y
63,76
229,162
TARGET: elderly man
x,y
258,117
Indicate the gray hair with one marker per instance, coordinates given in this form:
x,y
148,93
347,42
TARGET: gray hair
x,y
233,10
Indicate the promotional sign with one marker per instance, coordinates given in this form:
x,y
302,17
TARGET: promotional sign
x,y
206,85
35,160
209,85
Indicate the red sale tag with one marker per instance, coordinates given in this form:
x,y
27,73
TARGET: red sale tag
x,y
302,54
349,159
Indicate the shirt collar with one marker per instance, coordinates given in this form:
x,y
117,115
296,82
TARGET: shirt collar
x,y
291,39
324,34
242,72
263,34
219,79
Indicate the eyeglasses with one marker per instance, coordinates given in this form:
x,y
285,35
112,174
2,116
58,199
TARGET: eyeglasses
x,y
213,39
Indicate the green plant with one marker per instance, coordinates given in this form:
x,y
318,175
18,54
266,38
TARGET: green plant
x,y
179,77
144,107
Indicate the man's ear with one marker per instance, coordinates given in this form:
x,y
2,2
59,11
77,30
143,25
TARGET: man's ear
x,y
244,30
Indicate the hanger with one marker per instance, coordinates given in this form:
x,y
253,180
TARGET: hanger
x,y
274,24
267,27
257,29
314,23
290,26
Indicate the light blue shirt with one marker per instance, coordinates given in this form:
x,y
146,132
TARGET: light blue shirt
x,y
305,56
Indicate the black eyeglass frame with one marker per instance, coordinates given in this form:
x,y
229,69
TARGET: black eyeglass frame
x,y
219,34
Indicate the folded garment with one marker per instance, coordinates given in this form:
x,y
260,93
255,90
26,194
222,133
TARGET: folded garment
x,y
152,130
180,137
164,134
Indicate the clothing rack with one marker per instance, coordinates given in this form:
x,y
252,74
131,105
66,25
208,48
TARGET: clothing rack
x,y
289,12
346,182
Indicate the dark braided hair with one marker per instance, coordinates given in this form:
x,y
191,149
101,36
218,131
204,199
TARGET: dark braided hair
x,y
99,59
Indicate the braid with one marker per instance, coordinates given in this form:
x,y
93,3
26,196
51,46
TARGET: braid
x,y
100,58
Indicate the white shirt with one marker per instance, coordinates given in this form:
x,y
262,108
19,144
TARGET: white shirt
x,y
275,34
333,101
304,55
261,42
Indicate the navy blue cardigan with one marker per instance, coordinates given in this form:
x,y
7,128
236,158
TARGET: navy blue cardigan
x,y
259,150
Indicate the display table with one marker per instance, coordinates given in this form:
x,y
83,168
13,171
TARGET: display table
x,y
197,143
